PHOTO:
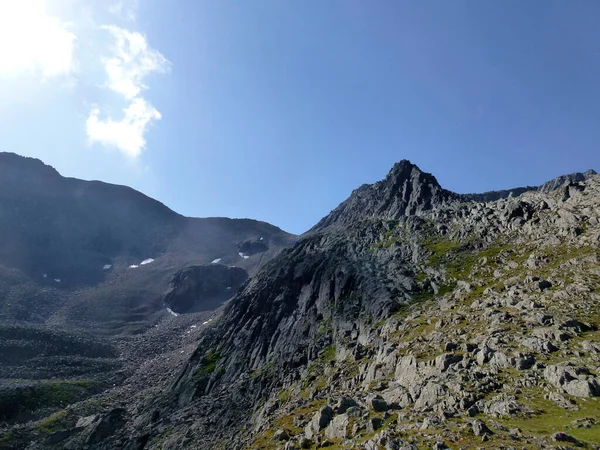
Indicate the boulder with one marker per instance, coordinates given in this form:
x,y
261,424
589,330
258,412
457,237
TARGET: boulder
x,y
429,396
377,403
338,427
374,424
106,426
539,345
86,421
343,404
574,380
480,428
564,437
319,422
281,435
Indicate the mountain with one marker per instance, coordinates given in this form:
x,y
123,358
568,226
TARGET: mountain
x,y
546,187
85,264
405,191
92,254
410,317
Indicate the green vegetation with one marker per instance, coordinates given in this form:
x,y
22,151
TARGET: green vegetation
x,y
7,441
328,354
268,369
550,418
55,422
24,398
209,363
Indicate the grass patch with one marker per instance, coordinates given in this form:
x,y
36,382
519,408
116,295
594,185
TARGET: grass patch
x,y
550,418
56,422
25,398
209,363
7,441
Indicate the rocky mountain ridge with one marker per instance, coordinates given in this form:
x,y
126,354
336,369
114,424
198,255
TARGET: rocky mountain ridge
x,y
411,317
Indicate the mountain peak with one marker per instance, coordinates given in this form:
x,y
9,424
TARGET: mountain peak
x,y
406,190
11,163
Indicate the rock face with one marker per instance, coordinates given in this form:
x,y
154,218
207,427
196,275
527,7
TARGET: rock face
x,y
410,317
405,191
203,288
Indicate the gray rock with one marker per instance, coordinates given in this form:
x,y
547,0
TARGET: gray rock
x,y
480,428
343,404
407,372
539,345
525,362
319,421
503,405
374,424
574,380
561,401
397,398
83,422
338,427
106,426
377,403
429,396
354,411
564,437
281,435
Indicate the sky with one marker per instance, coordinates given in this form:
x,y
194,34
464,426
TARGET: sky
x,y
277,109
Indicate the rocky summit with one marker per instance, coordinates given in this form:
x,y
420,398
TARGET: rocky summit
x,y
410,317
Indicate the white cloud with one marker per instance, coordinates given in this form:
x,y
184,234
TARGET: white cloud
x,y
33,41
37,38
127,135
125,9
131,62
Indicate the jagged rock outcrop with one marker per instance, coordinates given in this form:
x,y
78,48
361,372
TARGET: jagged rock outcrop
x,y
547,187
405,191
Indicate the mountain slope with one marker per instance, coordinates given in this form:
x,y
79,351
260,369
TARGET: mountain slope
x,y
73,250
84,265
397,329
410,317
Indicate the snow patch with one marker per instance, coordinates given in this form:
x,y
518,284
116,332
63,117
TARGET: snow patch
x,y
45,275
228,287
204,323
57,280
146,261
173,313
261,239
133,266
243,256
193,326
107,266
215,261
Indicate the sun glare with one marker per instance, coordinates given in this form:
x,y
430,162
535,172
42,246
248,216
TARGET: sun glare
x,y
32,40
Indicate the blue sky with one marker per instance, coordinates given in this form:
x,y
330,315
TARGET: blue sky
x,y
277,110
